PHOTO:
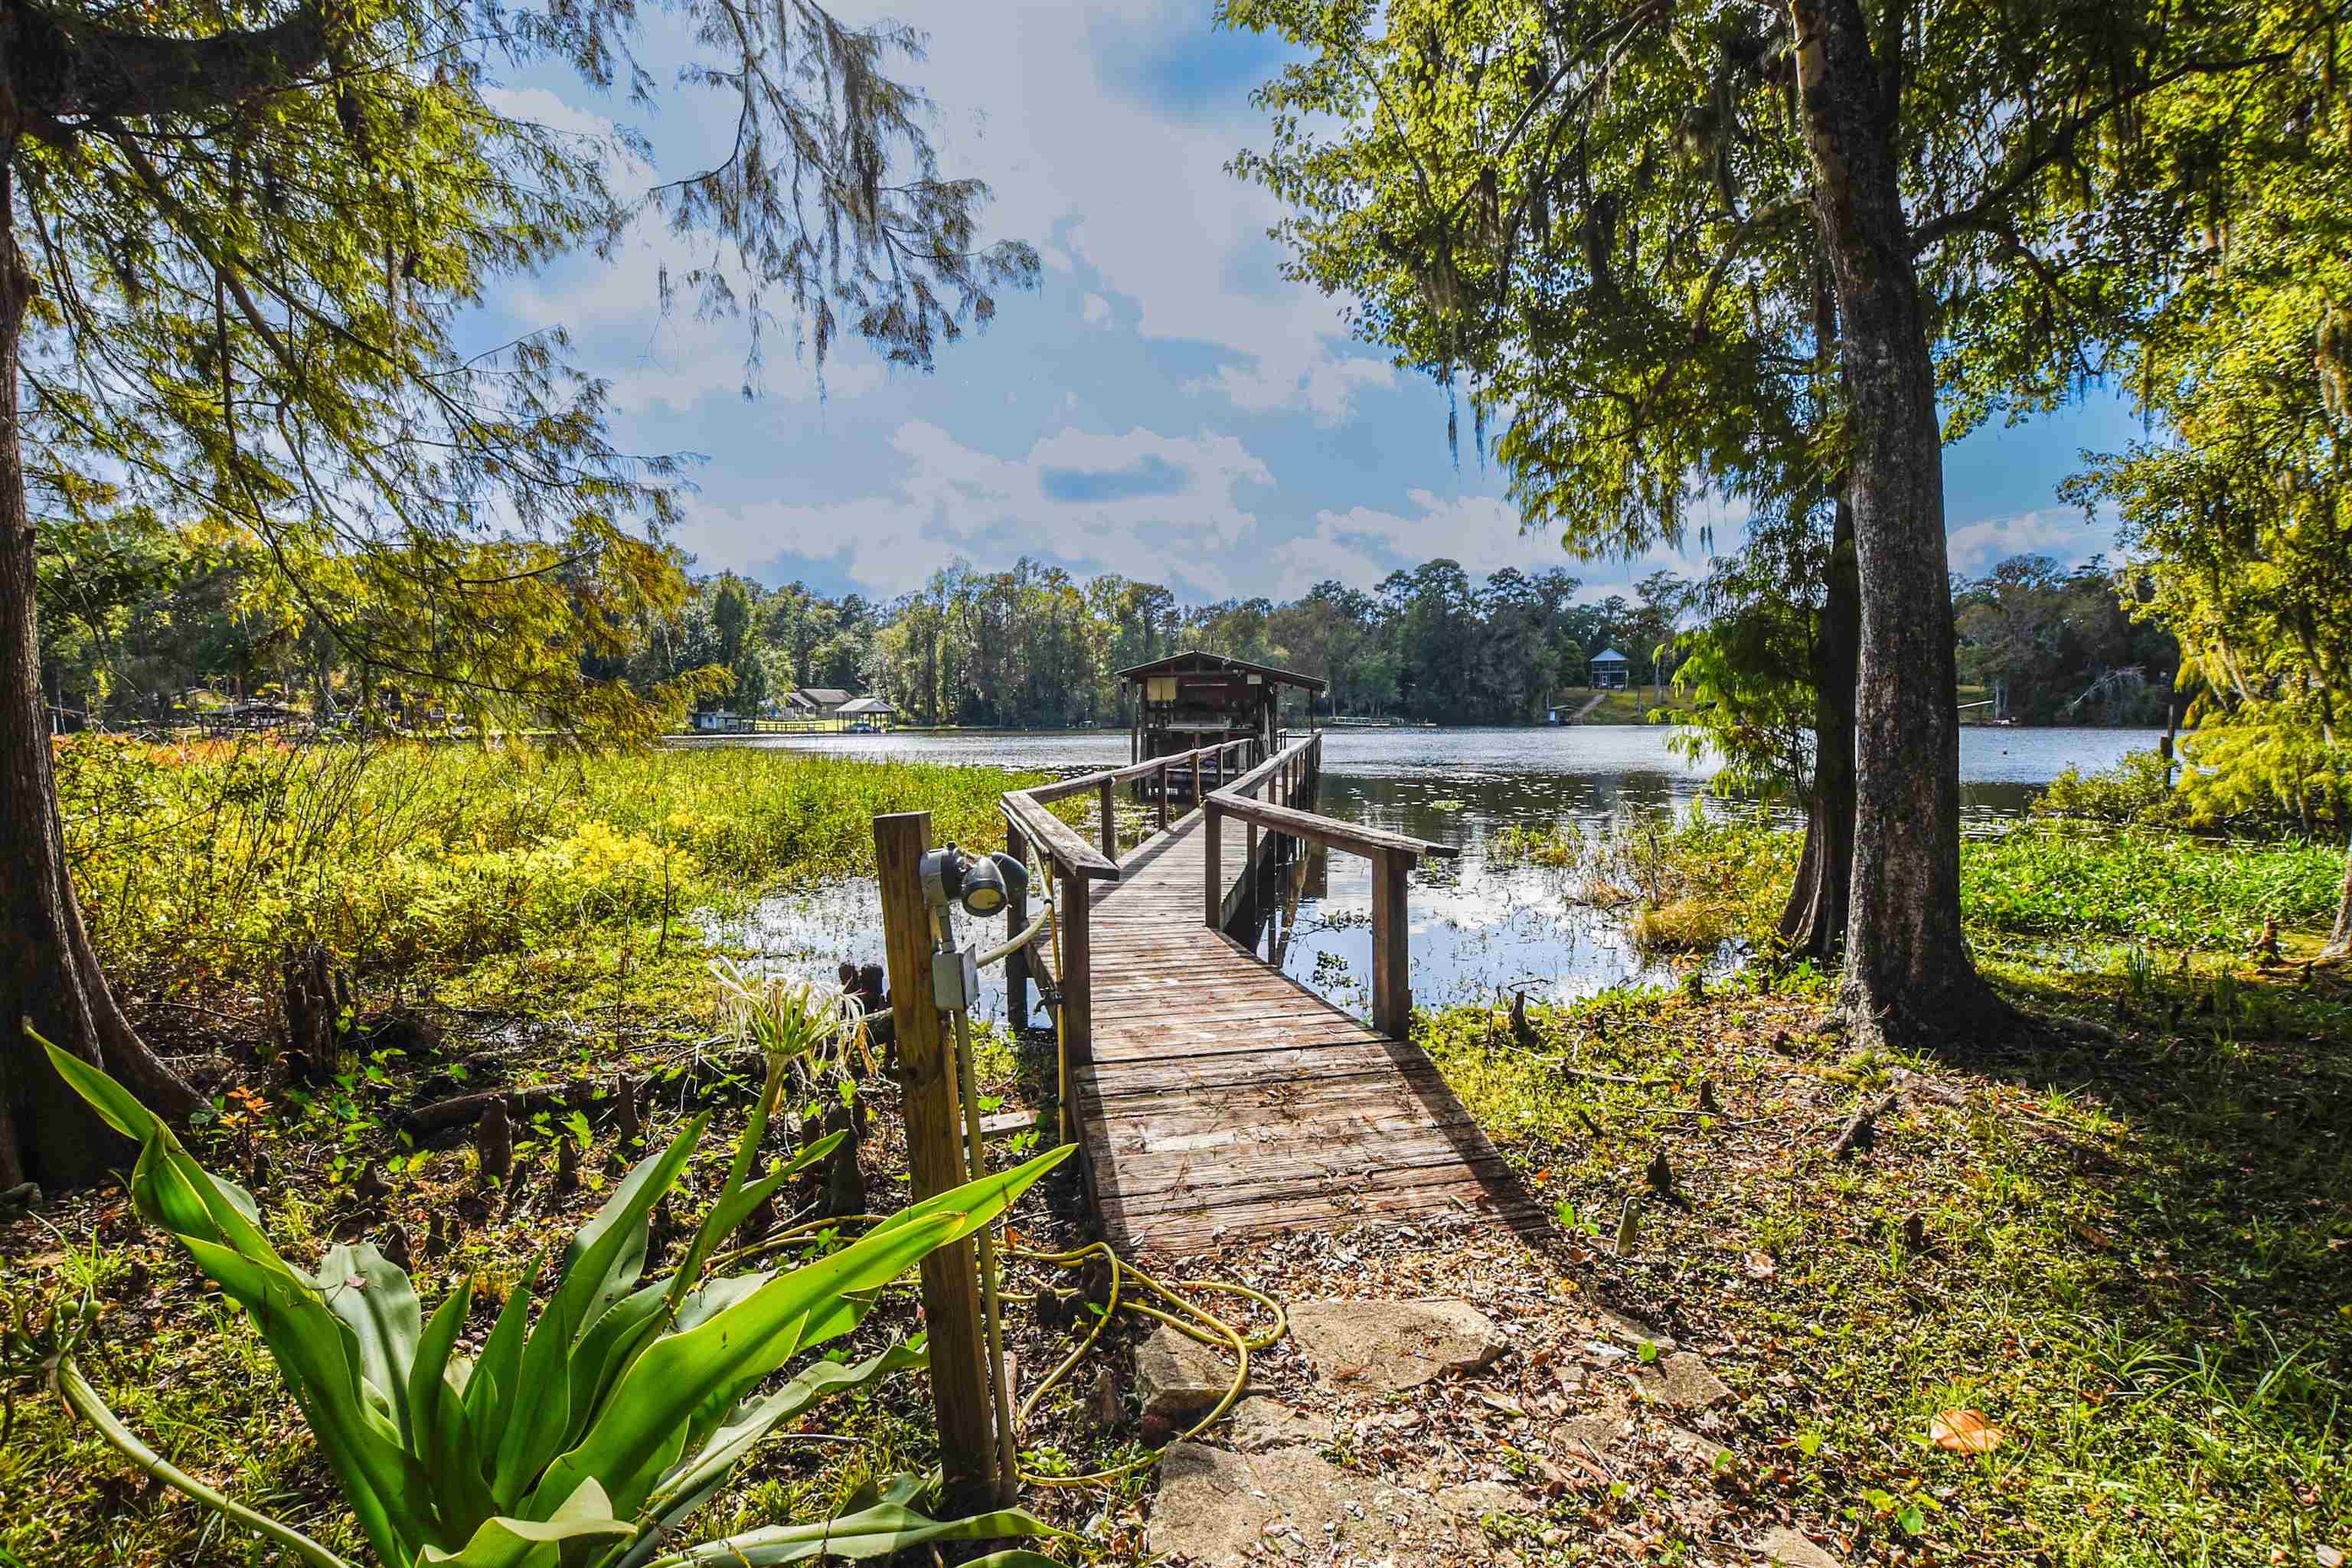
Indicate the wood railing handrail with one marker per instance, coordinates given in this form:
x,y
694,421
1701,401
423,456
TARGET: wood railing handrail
x,y
1062,788
1328,831
1056,839
1255,780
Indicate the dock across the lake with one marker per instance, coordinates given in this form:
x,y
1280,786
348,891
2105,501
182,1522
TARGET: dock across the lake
x,y
1215,1097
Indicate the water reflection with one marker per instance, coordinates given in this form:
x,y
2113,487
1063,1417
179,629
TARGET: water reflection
x,y
1481,925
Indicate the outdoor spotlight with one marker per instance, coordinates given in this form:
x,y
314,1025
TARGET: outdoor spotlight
x,y
983,884
989,882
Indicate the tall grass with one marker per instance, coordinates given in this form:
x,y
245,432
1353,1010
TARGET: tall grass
x,y
202,866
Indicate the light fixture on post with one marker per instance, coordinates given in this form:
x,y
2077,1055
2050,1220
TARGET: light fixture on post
x,y
981,884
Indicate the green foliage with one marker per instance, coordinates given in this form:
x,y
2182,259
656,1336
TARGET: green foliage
x,y
612,1416
2051,879
2137,792
532,871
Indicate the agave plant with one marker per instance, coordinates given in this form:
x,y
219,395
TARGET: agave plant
x,y
582,1439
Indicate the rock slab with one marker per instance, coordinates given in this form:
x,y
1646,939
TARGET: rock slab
x,y
1219,1509
1684,1381
1178,1376
1787,1548
1388,1346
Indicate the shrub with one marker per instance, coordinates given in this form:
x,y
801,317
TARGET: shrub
x,y
588,1435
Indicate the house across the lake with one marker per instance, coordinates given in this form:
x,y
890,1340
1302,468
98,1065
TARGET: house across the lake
x,y
1610,669
820,701
867,713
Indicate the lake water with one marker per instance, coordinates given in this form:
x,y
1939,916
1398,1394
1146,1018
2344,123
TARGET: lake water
x,y
1479,929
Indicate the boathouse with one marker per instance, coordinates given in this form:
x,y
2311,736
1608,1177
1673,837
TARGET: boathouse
x,y
1192,699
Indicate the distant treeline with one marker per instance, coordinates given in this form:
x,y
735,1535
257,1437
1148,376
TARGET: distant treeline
x,y
1034,645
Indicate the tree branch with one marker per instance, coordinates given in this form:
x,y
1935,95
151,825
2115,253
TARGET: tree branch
x,y
72,72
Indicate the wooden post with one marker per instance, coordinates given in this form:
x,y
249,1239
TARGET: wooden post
x,y
1197,797
1109,823
959,1393
1016,920
1161,778
1077,971
1213,911
1391,959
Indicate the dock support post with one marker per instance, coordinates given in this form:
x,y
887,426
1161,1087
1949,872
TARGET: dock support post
x,y
1197,797
1016,920
959,1378
1391,934
1109,824
1212,910
1077,971
1160,781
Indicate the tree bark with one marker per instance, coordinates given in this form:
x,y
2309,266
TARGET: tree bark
x,y
2339,940
1812,926
49,976
1908,977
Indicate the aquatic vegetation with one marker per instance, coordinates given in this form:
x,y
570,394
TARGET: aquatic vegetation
x,y
509,871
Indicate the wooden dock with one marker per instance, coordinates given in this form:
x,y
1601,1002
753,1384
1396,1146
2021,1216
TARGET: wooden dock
x,y
1218,1099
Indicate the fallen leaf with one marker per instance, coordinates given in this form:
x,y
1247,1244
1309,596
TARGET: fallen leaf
x,y
2328,1556
1965,1432
1760,1266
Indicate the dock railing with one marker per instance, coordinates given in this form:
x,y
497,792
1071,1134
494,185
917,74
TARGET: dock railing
x,y
1289,775
1072,863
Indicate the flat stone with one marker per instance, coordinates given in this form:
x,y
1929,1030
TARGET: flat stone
x,y
1388,1346
1706,1450
1220,1510
1632,1330
1791,1549
1684,1381
1177,1375
1257,1422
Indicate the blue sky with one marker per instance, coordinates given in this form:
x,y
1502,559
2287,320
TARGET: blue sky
x,y
1163,406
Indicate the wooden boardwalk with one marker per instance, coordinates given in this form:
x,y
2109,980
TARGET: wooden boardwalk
x,y
1223,1100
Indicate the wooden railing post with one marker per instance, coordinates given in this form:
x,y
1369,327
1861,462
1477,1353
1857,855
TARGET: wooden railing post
x,y
1213,909
1391,932
1109,824
1161,779
1016,920
959,1378
1197,797
1077,970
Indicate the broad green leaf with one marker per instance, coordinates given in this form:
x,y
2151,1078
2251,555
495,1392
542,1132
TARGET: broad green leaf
x,y
876,1531
319,1355
491,1388
975,1205
601,1261
440,1434
642,1428
362,1288
604,1258
504,1542
691,1484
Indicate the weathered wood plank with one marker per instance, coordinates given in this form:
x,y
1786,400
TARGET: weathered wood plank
x,y
1225,1099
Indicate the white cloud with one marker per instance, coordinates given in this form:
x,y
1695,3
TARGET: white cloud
x,y
1166,509
2061,533
1362,544
1097,310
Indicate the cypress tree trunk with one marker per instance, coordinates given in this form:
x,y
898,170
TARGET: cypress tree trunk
x,y
48,975
1813,924
2339,940
1908,975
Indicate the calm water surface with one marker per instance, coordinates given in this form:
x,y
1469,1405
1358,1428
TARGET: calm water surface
x,y
1479,929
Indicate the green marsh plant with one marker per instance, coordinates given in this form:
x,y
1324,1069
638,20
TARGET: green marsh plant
x,y
585,1438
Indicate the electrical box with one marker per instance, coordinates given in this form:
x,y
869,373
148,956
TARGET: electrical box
x,y
955,978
